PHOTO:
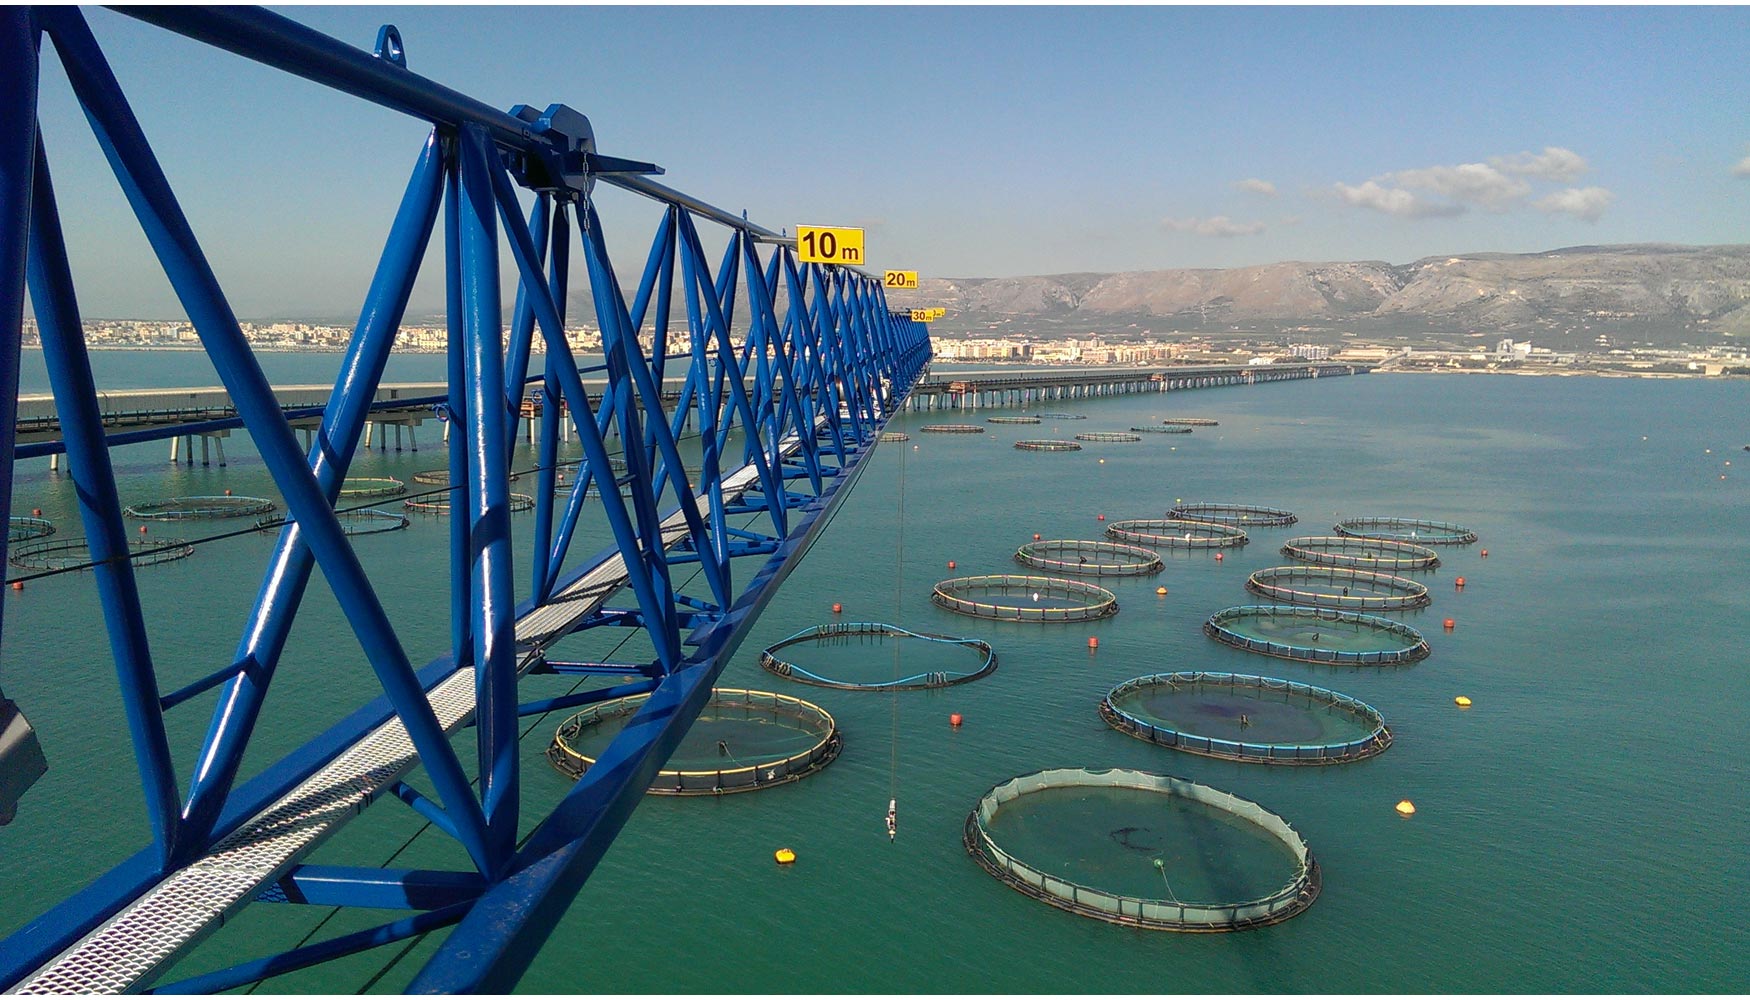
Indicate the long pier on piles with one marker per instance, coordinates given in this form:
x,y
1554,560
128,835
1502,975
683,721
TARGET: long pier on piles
x,y
1025,386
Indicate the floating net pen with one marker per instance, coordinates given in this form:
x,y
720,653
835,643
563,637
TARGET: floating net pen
x,y
1257,720
980,660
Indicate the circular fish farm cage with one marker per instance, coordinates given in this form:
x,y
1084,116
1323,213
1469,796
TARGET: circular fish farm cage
x,y
23,529
199,508
1134,848
1025,598
1360,553
519,502
1259,720
352,522
1110,437
895,436
1192,421
742,741
75,553
1317,635
1089,558
951,429
1170,534
1406,529
367,487
1064,416
1241,514
1011,420
1329,587
1039,445
433,477
1164,429
844,638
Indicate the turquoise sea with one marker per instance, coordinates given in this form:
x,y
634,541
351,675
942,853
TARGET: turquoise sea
x,y
1580,828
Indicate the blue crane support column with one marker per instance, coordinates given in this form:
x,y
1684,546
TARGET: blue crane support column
x,y
495,716
63,339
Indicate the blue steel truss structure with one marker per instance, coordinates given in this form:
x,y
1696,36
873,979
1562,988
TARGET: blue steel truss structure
x,y
786,403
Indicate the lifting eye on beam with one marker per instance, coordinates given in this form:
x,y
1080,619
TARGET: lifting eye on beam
x,y
569,161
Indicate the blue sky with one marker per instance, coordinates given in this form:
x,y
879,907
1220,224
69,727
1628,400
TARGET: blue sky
x,y
969,141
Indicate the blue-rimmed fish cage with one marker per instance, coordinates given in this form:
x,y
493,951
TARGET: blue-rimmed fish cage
x,y
1135,708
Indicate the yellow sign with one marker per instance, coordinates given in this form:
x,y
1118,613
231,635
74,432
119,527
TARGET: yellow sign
x,y
938,312
899,279
829,245
920,315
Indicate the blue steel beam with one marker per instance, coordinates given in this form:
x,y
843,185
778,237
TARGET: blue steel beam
x,y
782,416
192,278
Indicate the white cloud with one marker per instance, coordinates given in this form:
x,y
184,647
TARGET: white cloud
x,y
1253,185
1467,184
1554,164
1581,203
1743,168
1503,184
1393,201
1219,226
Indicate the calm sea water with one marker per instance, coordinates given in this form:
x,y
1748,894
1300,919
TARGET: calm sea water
x,y
1580,828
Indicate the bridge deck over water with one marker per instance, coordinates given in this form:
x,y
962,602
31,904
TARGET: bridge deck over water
x,y
1022,386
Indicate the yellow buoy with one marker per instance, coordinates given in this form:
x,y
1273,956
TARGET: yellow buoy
x,y
785,856
1161,591
1406,808
1461,701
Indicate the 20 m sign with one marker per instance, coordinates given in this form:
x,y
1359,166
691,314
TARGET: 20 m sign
x,y
829,245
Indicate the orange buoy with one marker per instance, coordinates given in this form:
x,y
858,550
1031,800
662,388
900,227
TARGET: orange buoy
x,y
1458,584
954,719
1160,591
1449,624
227,492
950,564
1406,808
1035,536
142,529
1218,557
1485,553
1093,642
36,512
18,585
837,607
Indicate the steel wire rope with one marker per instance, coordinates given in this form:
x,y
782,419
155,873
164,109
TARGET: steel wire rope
x,y
539,720
416,939
898,600
257,527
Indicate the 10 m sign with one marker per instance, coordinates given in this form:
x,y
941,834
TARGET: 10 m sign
x,y
829,245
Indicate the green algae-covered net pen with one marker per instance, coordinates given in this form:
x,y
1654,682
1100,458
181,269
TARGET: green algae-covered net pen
x,y
1138,887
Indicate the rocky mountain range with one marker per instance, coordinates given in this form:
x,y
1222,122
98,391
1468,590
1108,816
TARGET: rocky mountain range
x,y
1667,293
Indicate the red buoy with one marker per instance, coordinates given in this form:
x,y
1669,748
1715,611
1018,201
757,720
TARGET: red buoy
x,y
1093,642
1449,624
1035,536
1458,583
950,564
1485,553
837,607
142,529
38,512
1218,557
955,720
227,492
1102,517
18,585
